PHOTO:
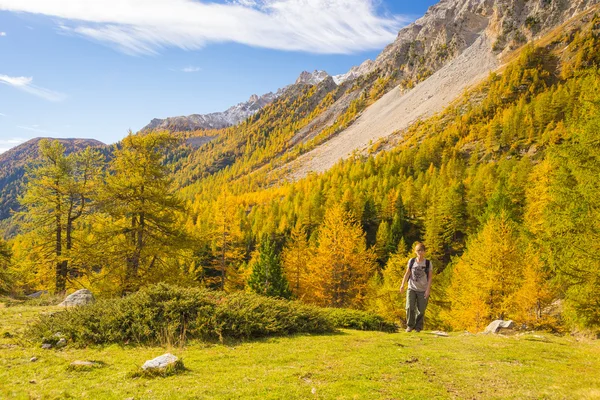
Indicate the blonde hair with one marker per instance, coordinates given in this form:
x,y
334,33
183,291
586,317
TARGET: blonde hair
x,y
419,245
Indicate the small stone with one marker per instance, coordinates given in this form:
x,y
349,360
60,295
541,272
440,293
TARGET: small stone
x,y
160,362
313,390
61,343
33,359
46,346
85,364
130,398
439,333
33,381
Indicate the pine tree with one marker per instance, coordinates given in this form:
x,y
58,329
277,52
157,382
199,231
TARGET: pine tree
x,y
267,274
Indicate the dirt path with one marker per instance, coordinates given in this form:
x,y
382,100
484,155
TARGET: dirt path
x,y
396,111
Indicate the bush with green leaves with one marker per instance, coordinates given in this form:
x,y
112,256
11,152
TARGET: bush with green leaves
x,y
164,314
360,320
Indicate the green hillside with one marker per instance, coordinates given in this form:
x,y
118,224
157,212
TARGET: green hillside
x,y
345,365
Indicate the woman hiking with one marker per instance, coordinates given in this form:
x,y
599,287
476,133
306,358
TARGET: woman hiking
x,y
418,273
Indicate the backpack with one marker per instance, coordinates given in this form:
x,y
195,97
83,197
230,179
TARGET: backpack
x,y
427,266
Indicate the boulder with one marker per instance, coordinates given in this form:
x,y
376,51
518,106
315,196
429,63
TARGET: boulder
x,y
79,298
160,363
497,325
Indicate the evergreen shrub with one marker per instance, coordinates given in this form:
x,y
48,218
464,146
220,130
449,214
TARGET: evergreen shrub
x,y
360,320
164,314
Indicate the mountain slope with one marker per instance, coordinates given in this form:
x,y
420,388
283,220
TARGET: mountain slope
x,y
396,110
462,41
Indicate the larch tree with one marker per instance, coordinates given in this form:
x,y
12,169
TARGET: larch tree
x,y
227,243
58,193
6,278
143,209
487,276
296,257
342,265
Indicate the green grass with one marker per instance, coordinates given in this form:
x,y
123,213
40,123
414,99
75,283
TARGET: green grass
x,y
346,365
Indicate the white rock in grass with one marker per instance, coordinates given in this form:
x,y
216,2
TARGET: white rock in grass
x,y
79,298
439,333
160,362
498,324
84,364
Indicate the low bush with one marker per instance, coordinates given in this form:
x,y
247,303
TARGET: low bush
x,y
360,320
163,314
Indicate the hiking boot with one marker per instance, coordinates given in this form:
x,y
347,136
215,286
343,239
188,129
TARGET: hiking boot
x,y
409,329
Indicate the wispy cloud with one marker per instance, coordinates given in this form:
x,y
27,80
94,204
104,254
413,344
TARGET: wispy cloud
x,y
142,27
37,129
2,33
26,84
7,144
191,69
2,115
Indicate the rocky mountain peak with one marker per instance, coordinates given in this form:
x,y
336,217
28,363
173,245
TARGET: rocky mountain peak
x,y
313,78
451,26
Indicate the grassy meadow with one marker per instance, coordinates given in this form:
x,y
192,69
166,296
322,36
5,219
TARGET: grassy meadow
x,y
345,365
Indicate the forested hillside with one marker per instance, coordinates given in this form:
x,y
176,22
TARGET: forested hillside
x,y
502,187
13,165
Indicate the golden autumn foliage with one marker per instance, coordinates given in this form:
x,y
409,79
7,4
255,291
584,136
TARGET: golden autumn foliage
x,y
342,265
496,278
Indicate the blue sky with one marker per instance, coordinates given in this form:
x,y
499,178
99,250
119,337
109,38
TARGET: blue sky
x,y
95,69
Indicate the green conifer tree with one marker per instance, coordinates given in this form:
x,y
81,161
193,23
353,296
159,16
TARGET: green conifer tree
x,y
267,274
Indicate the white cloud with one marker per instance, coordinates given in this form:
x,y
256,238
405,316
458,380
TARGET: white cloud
x,y
7,144
25,84
35,128
144,27
191,69
11,141
2,115
2,33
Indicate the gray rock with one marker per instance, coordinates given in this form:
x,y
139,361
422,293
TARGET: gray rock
x,y
160,362
79,298
497,325
62,342
33,359
38,294
46,346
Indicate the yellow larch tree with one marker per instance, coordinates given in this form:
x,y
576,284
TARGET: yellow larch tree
x,y
295,257
486,277
342,265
